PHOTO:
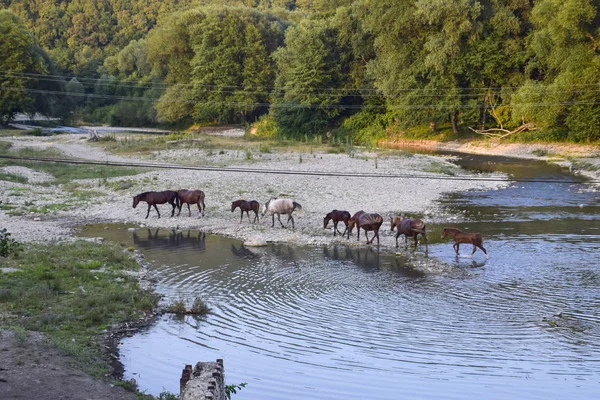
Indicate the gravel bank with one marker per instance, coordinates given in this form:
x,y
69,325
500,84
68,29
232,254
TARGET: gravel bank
x,y
317,194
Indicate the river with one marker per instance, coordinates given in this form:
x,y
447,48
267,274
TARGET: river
x,y
343,323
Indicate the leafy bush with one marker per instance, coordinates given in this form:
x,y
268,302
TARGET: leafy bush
x,y
8,245
37,132
265,127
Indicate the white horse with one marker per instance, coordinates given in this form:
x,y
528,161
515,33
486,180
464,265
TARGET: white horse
x,y
281,206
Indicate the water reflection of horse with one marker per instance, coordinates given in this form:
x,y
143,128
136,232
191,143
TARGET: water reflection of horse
x,y
366,258
191,197
243,252
463,237
366,221
174,239
409,227
281,206
246,206
154,198
337,216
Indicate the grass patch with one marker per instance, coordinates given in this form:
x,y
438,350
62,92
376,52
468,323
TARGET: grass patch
x,y
60,290
63,173
178,307
540,152
585,166
12,178
440,168
11,132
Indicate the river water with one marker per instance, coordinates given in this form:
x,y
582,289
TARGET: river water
x,y
347,323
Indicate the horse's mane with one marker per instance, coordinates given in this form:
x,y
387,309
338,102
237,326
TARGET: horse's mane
x,y
142,196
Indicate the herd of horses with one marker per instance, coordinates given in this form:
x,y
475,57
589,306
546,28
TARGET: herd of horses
x,y
409,227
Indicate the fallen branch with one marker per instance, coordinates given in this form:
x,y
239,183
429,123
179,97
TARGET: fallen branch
x,y
502,133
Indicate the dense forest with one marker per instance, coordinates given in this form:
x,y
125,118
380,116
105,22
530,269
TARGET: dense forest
x,y
359,69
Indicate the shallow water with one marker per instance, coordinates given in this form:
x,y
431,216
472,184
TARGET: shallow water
x,y
341,323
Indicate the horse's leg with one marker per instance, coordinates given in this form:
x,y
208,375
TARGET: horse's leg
x,y
156,208
292,219
189,210
174,207
203,207
367,236
180,205
273,217
484,250
377,234
199,208
456,247
149,207
474,250
397,234
248,215
334,227
416,240
255,216
241,215
279,219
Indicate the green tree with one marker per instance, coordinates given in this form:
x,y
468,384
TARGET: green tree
x,y
311,79
217,62
21,65
564,69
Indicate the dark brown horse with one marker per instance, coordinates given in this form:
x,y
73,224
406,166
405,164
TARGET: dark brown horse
x,y
337,216
154,198
191,197
463,237
246,206
368,222
409,227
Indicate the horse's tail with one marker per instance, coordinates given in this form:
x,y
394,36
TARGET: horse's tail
x,y
177,199
298,207
418,226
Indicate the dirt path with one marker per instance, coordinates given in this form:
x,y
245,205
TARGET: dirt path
x,y
32,368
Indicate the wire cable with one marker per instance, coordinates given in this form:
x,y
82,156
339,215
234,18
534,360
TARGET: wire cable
x,y
299,172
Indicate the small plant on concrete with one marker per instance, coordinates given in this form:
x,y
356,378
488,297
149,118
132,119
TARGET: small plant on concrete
x,y
232,389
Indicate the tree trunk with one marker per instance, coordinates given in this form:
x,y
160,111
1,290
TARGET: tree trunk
x,y
454,123
484,111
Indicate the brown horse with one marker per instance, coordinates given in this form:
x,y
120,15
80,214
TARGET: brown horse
x,y
409,227
462,237
154,198
191,197
368,222
337,216
246,206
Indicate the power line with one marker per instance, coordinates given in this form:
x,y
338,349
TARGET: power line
x,y
296,105
301,173
575,87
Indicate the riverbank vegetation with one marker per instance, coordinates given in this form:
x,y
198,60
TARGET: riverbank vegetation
x,y
73,292
344,70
